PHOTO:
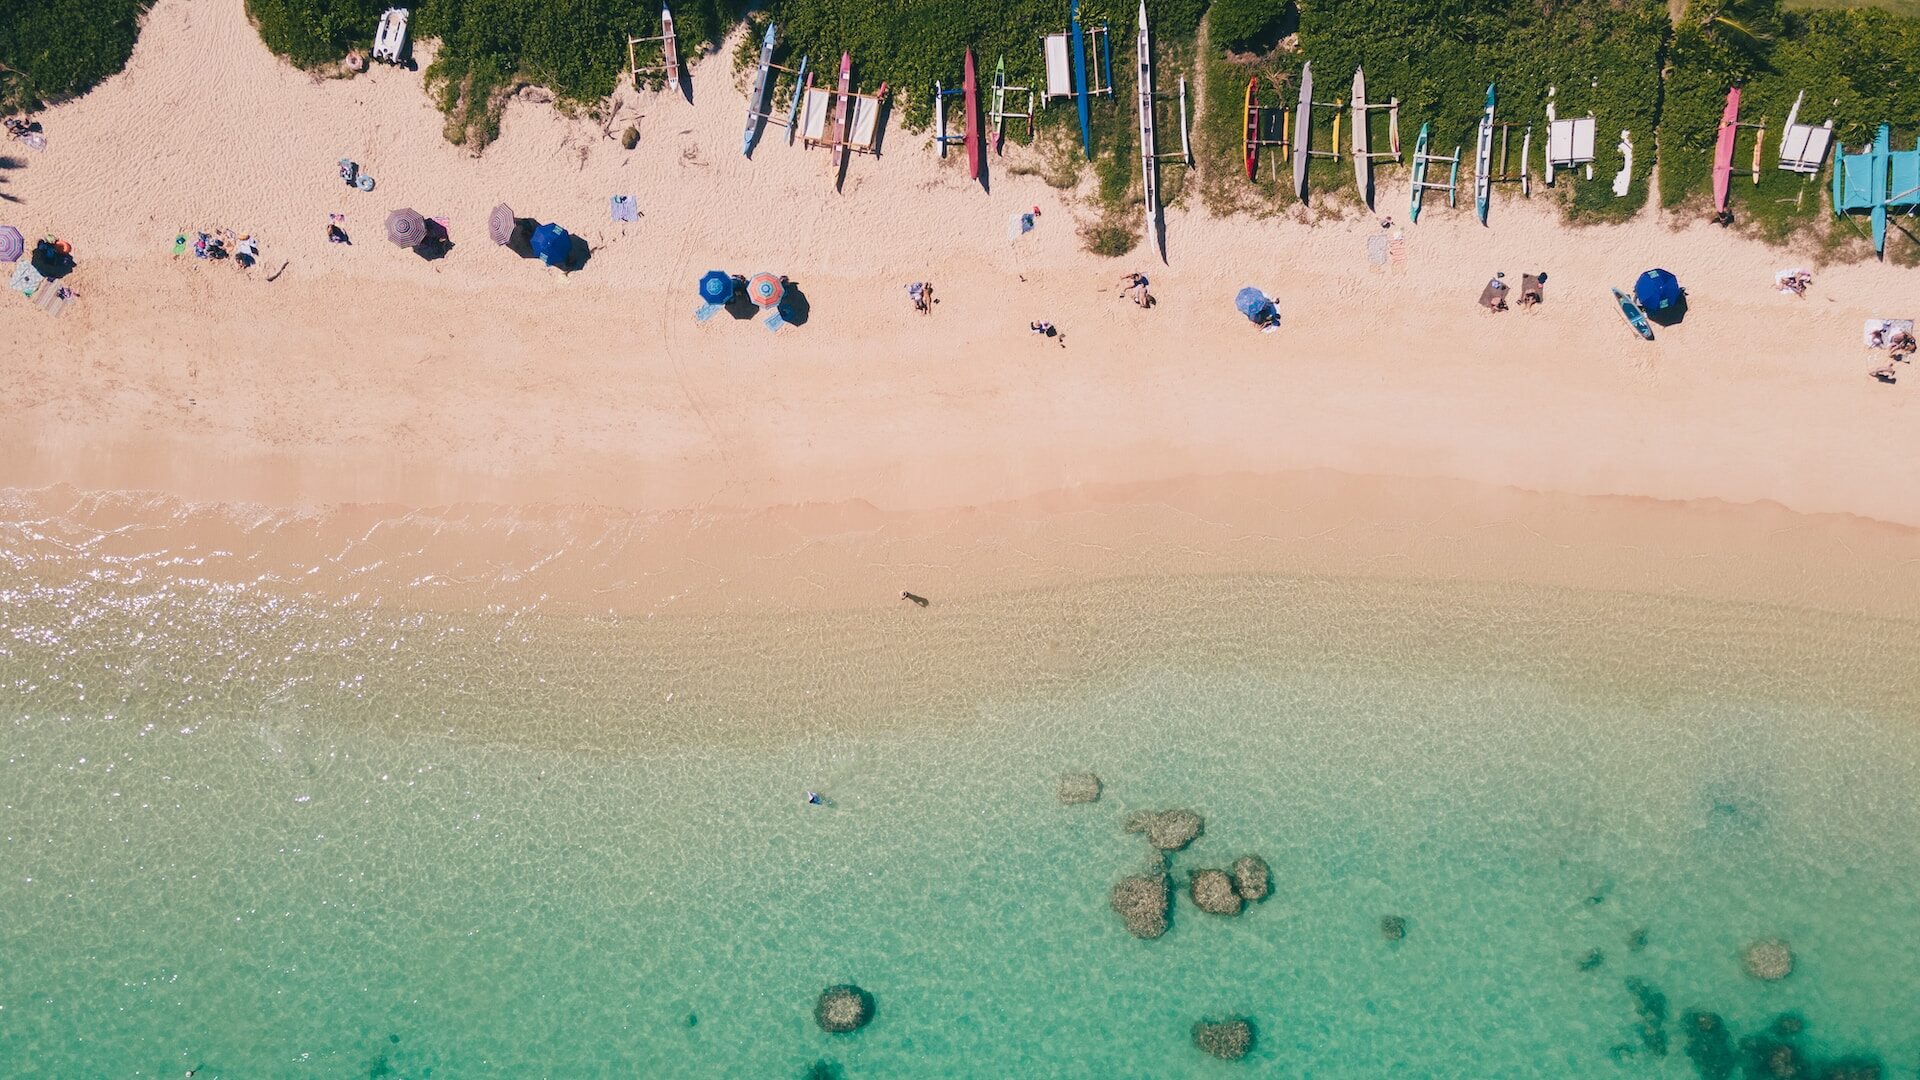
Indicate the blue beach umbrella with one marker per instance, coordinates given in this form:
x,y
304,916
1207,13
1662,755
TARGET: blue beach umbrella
x,y
551,244
716,288
1254,304
1657,290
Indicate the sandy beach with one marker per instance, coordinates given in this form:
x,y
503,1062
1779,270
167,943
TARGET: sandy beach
x,y
333,376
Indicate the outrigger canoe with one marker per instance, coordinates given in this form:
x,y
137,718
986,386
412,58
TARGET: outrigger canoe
x,y
756,101
1723,150
1250,146
1080,82
669,47
1419,172
972,100
1302,133
846,112
1000,104
1483,161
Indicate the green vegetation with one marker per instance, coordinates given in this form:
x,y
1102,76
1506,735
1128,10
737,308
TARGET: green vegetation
x,y
54,49
1854,67
576,48
1604,56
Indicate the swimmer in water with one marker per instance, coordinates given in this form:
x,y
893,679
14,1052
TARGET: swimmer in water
x,y
814,799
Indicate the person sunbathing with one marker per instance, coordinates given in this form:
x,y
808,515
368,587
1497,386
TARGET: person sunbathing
x,y
1901,344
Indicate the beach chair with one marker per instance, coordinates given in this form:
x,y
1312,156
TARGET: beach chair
x,y
864,138
1803,147
814,109
1059,68
1569,142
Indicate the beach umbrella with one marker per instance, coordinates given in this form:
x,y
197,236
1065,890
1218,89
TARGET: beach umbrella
x,y
500,224
1657,290
1254,304
766,289
716,288
552,244
12,244
406,228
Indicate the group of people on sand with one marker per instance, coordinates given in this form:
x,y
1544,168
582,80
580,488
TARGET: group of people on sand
x,y
921,293
217,244
1900,346
1532,290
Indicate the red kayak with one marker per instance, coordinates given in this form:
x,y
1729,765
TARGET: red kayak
x,y
1723,150
972,99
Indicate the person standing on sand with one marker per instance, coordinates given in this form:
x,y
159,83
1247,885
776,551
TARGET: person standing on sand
x,y
1047,329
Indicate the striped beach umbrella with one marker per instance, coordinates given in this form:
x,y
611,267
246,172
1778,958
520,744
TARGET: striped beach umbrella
x,y
500,224
12,244
406,228
766,289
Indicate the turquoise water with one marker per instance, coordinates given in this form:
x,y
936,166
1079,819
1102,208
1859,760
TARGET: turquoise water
x,y
264,836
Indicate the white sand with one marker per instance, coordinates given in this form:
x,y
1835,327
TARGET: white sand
x,y
365,373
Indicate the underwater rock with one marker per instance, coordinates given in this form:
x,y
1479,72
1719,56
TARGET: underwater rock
x,y
1168,830
1228,1040
1787,1025
1393,927
1141,902
1770,1059
1710,1046
843,1008
1593,959
1651,1005
1079,788
1213,892
1251,878
1637,940
1768,959
824,1069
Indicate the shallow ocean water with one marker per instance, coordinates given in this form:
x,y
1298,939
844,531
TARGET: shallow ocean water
x,y
263,835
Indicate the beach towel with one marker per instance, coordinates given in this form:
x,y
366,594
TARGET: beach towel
x,y
1494,295
1397,248
1781,279
53,299
1377,252
26,280
1020,224
623,208
179,245
1886,328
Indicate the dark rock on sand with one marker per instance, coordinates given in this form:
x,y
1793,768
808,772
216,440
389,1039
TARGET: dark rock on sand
x,y
1251,878
843,1008
1768,959
1213,892
1079,788
1768,1058
1710,1046
1393,927
1593,959
1168,830
1141,902
1228,1040
1651,1006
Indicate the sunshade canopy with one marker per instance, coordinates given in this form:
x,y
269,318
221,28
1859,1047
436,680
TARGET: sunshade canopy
x,y
766,289
406,228
552,244
1657,290
12,244
500,224
716,287
1253,303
